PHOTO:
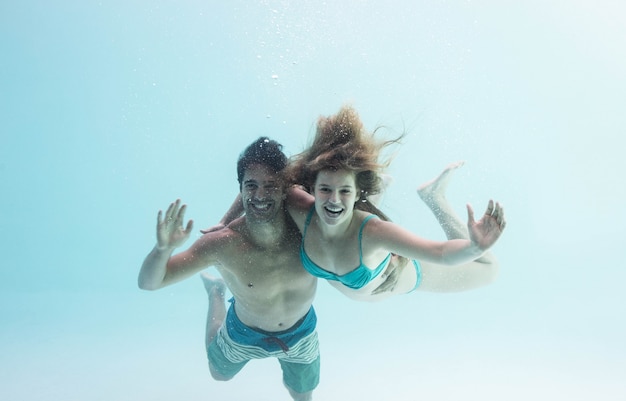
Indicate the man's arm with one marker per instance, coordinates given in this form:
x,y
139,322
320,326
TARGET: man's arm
x,y
154,269
157,270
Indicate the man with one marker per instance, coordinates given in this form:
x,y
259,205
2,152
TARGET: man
x,y
271,313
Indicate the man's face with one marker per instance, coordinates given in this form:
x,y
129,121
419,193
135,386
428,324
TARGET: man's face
x,y
262,193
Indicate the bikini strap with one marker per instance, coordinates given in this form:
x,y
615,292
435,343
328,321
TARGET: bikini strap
x,y
307,222
365,220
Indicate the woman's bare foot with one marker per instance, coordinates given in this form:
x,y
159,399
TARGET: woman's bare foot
x,y
212,284
435,189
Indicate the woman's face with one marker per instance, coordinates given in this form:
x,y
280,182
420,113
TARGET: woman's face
x,y
335,195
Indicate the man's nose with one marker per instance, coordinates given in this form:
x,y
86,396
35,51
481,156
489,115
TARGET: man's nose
x,y
262,193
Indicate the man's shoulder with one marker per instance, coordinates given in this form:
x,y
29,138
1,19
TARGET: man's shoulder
x,y
228,232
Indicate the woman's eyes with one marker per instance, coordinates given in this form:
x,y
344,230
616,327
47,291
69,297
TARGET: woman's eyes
x,y
341,191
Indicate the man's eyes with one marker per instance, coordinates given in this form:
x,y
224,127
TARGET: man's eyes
x,y
252,187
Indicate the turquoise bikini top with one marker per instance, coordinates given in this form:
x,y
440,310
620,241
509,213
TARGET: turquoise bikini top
x,y
355,279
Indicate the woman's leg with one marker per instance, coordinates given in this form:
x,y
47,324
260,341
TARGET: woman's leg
x,y
471,275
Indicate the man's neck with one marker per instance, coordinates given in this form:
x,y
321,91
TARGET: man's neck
x,y
267,234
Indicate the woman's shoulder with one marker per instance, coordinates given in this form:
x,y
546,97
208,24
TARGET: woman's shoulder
x,y
373,226
366,220
299,199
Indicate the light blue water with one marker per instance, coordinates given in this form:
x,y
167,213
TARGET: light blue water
x,y
110,110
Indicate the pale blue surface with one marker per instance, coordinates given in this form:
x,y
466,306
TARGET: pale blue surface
x,y
110,110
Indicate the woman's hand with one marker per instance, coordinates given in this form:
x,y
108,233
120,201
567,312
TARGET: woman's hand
x,y
216,227
486,231
170,232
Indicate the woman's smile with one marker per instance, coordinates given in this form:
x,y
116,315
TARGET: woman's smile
x,y
335,194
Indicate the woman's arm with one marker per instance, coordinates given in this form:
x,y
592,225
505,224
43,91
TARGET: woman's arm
x,y
483,234
235,210
298,203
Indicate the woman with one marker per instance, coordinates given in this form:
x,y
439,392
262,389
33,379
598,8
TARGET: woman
x,y
349,242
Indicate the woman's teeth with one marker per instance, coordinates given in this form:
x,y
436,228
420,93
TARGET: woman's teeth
x,y
333,211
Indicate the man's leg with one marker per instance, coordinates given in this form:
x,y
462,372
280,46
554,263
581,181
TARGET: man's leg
x,y
215,289
301,379
300,396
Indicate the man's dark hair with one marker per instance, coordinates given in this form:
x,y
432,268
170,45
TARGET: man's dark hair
x,y
262,151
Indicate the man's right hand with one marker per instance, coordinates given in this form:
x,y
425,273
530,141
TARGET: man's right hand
x,y
170,232
391,275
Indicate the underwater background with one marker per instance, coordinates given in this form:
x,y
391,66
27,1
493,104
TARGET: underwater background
x,y
110,110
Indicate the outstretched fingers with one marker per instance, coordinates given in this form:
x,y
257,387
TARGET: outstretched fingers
x,y
496,211
500,216
171,230
173,215
189,227
172,211
470,214
490,208
180,214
